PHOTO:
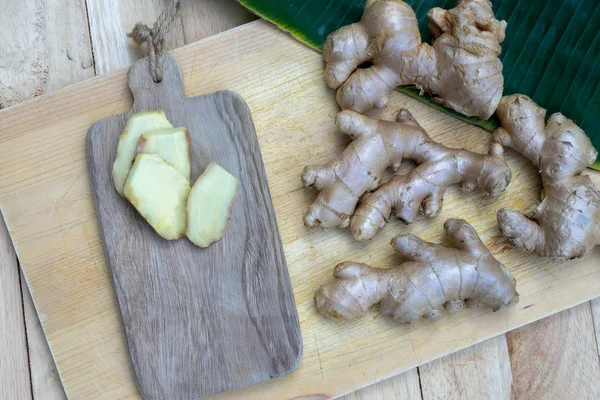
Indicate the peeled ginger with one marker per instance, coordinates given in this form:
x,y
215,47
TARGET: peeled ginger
x,y
209,205
159,193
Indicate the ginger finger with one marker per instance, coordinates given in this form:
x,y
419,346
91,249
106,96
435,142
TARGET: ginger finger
x,y
434,277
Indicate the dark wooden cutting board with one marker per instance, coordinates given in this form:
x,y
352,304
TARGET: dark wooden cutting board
x,y
198,321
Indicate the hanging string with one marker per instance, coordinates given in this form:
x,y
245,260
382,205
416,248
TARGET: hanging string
x,y
155,38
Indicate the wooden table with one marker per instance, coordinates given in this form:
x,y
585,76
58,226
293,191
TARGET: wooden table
x,y
49,44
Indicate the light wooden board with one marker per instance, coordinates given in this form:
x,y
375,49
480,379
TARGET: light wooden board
x,y
478,372
45,195
13,344
402,387
595,306
198,321
45,382
45,46
570,369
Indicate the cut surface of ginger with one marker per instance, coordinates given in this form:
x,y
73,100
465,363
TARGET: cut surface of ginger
x,y
209,205
172,145
159,193
138,124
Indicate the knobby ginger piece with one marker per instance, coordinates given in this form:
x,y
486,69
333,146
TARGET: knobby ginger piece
x,y
159,193
209,205
461,68
345,182
172,145
566,224
432,278
138,124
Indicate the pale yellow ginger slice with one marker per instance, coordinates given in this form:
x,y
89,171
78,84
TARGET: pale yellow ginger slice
x,y
209,205
138,124
172,145
159,193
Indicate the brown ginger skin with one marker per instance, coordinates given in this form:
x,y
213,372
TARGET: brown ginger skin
x,y
434,276
376,145
379,144
461,68
566,224
421,191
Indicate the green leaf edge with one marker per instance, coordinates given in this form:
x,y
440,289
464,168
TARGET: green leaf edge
x,y
285,27
489,125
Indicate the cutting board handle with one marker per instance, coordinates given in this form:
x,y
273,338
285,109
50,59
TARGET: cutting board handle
x,y
149,95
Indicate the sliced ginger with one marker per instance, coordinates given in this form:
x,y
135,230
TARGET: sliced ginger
x,y
172,145
159,193
157,181
209,205
138,124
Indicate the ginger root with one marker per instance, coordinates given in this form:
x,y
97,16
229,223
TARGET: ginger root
x,y
566,224
159,193
172,145
434,276
209,205
378,144
138,124
157,181
461,68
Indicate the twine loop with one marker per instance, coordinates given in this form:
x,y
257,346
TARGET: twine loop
x,y
155,39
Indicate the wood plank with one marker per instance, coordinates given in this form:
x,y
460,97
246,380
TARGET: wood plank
x,y
556,357
478,372
226,312
110,22
48,206
404,386
45,45
14,367
203,18
595,304
45,382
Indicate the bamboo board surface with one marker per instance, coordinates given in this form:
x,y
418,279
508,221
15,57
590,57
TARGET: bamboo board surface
x,y
46,199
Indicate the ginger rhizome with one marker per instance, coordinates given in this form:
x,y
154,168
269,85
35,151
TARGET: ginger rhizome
x,y
138,124
434,277
209,205
566,224
461,68
379,144
172,145
159,192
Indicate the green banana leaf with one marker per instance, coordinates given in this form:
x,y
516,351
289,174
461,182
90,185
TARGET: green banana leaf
x,y
551,51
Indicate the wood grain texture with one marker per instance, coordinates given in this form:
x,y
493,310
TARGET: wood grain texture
x,y
46,198
198,321
400,387
556,358
14,362
45,45
478,372
111,21
45,382
595,305
203,18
